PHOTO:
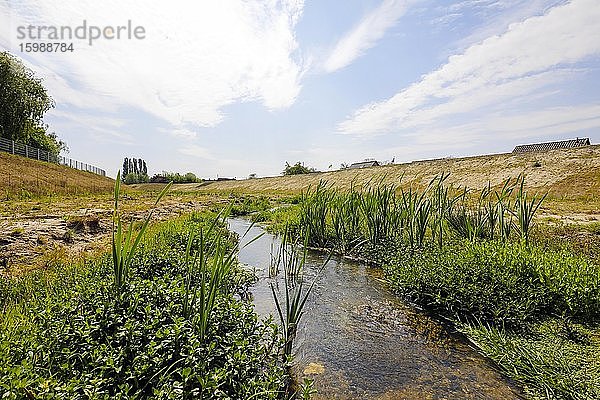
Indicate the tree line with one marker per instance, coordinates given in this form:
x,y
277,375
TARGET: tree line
x,y
135,170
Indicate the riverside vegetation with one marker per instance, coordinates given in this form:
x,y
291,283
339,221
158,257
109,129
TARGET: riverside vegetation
x,y
472,259
160,316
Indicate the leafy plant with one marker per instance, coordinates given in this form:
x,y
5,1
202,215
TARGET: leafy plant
x,y
66,334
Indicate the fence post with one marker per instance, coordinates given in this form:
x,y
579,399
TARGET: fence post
x,y
38,153
13,146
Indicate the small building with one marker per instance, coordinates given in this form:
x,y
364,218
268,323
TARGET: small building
x,y
364,164
563,144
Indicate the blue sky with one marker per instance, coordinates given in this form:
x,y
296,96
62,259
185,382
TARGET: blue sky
x,y
228,88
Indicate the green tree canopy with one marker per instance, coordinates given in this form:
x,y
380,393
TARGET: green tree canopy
x,y
297,169
23,103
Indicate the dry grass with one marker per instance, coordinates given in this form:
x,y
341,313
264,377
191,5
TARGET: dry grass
x,y
572,177
23,177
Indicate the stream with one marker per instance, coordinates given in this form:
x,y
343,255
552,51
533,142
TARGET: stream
x,y
358,340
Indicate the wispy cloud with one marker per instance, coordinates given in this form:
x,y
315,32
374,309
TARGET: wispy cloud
x,y
497,15
183,133
366,34
197,56
100,127
197,151
528,57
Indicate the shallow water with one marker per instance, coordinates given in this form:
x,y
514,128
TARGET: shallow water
x,y
357,340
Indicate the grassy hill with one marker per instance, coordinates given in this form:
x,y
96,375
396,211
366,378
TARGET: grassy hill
x,y
571,176
566,172
24,177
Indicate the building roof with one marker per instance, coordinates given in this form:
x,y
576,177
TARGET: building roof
x,y
563,144
365,164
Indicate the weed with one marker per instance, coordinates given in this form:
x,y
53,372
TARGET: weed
x,y
525,209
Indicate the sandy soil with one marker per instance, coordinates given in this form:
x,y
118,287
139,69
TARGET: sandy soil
x,y
28,238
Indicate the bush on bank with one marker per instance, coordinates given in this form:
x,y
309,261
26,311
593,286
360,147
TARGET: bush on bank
x,y
505,284
70,336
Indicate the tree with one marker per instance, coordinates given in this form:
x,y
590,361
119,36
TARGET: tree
x,y
134,171
175,177
23,103
297,169
125,167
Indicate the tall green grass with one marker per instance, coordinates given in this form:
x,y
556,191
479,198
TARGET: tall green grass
x,y
290,305
377,213
124,244
470,255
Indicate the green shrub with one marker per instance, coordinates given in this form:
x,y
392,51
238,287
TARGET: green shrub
x,y
69,336
503,284
489,282
249,204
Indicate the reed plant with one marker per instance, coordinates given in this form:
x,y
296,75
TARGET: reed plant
x,y
314,213
124,244
346,219
290,308
442,202
505,207
379,209
525,209
378,214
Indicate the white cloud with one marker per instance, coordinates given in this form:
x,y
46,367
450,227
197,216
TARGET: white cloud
x,y
366,34
496,16
183,133
528,57
197,57
197,151
103,128
505,129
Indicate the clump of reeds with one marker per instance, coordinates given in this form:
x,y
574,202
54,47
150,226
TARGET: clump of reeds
x,y
377,213
291,259
124,244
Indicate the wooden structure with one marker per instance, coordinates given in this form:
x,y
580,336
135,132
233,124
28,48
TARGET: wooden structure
x,y
563,144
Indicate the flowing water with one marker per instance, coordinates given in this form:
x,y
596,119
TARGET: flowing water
x,y
357,340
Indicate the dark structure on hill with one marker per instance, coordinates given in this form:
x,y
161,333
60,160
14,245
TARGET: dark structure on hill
x,y
563,144
364,164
